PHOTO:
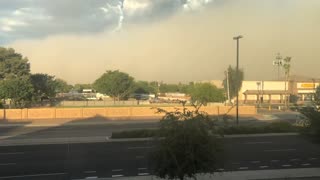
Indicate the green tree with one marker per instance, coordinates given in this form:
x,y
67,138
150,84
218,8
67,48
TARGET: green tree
x,y
189,145
44,86
202,93
19,90
235,81
144,87
317,96
115,84
80,87
12,64
166,88
312,123
286,66
61,86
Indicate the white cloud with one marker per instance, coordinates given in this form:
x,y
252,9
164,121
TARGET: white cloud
x,y
117,9
135,6
6,28
192,5
9,24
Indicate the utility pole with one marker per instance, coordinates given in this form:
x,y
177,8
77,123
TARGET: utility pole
x,y
228,86
237,78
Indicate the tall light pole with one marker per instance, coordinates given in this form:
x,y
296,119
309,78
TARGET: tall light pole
x,y
278,63
228,87
237,77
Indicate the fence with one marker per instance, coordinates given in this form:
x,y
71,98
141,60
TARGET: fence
x,y
109,112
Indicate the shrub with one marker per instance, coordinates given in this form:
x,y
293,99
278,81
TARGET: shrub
x,y
313,124
189,146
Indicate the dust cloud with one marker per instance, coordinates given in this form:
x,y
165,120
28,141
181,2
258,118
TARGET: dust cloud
x,y
189,46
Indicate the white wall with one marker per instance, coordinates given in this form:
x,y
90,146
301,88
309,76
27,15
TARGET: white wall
x,y
264,85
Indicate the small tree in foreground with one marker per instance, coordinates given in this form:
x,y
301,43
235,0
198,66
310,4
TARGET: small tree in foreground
x,y
190,145
313,122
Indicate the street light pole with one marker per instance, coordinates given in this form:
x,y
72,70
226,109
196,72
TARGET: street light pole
x,y
228,87
237,78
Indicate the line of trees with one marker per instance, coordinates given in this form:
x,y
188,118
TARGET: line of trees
x,y
120,85
22,87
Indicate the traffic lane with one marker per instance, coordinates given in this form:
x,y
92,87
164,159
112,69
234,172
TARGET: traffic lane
x,y
265,148
271,153
81,159
246,146
49,176
4,130
41,158
84,130
130,158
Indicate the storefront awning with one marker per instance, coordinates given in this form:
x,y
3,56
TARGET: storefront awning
x,y
271,92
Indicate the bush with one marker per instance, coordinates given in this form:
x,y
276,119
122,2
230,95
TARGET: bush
x,y
274,127
313,124
189,145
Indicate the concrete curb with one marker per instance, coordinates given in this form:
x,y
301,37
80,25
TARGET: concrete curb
x,y
277,174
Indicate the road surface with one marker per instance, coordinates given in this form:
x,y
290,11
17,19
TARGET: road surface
x,y
131,158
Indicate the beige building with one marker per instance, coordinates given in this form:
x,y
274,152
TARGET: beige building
x,y
300,89
263,91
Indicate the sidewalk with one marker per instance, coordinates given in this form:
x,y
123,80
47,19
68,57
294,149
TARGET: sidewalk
x,y
278,174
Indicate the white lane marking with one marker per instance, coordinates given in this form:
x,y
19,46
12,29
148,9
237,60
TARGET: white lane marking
x,y
92,177
275,160
255,162
294,159
221,169
32,175
262,167
243,168
263,142
116,170
7,164
142,168
279,150
139,157
306,164
313,159
12,153
117,175
90,172
142,147
286,165
143,174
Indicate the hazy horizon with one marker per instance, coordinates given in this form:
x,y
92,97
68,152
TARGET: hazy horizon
x,y
185,44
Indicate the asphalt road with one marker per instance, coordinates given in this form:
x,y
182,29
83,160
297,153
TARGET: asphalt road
x,y
116,159
73,130
101,127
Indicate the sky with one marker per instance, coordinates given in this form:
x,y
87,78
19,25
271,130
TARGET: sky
x,y
162,40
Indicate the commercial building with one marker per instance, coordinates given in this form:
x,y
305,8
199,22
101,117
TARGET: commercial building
x,y
296,89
